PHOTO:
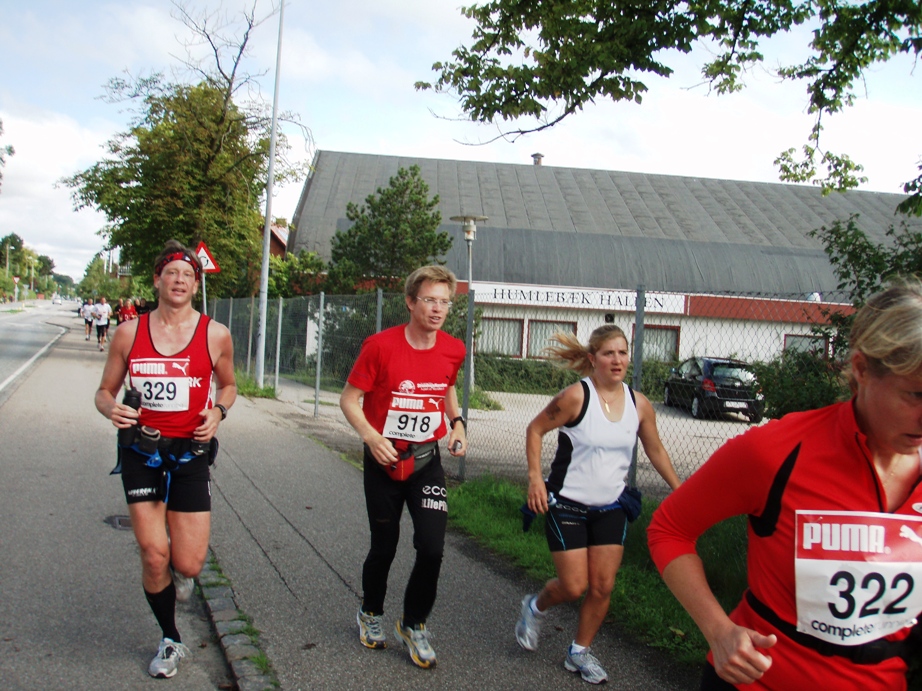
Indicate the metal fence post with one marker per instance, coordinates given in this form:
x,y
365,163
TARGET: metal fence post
x,y
380,309
250,336
468,372
639,306
319,356
637,383
278,347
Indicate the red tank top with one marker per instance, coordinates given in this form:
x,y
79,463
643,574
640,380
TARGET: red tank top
x,y
176,388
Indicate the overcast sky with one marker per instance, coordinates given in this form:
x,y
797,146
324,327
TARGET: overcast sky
x,y
348,69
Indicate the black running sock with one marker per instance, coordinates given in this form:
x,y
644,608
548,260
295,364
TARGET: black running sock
x,y
163,605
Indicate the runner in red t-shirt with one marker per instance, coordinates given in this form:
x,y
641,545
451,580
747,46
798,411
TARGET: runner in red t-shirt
x,y
405,380
128,311
835,527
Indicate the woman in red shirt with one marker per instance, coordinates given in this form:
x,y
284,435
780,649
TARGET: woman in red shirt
x,y
127,311
834,502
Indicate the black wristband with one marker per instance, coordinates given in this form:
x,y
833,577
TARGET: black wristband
x,y
223,411
458,419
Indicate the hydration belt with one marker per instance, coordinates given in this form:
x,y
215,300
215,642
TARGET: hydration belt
x,y
168,455
423,453
871,653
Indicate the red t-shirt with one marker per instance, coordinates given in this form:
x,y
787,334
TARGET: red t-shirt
x,y
817,463
176,388
405,388
128,312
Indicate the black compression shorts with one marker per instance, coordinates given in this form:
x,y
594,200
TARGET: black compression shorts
x,y
571,525
189,488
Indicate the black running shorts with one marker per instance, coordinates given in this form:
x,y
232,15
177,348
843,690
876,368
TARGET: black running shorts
x,y
571,525
187,488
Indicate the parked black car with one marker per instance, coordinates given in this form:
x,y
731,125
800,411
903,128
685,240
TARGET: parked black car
x,y
713,385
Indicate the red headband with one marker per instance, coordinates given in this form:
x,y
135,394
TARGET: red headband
x,y
179,256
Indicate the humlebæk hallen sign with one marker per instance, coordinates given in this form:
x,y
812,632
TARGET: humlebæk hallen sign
x,y
576,298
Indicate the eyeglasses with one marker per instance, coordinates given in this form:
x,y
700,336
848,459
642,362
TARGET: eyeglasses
x,y
435,301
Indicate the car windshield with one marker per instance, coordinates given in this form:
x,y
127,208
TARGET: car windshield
x,y
731,371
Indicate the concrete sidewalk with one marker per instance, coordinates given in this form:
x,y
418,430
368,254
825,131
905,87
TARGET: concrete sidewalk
x,y
72,612
289,535
290,532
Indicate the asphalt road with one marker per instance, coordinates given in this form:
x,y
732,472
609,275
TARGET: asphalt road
x,y
72,609
289,531
24,337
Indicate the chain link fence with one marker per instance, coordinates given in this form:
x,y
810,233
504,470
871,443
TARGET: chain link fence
x,y
712,369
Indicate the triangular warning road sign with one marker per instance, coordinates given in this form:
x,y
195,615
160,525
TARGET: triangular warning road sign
x,y
209,265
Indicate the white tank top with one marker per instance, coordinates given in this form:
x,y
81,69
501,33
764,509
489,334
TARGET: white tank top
x,y
594,453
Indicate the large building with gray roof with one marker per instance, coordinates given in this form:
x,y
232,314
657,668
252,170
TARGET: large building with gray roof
x,y
565,249
560,226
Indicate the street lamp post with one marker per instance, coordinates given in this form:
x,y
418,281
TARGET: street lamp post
x,y
470,233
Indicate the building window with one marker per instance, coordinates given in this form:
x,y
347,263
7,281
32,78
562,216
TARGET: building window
x,y
500,337
806,344
660,343
540,332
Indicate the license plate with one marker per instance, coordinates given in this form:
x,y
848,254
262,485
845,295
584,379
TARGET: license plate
x,y
735,404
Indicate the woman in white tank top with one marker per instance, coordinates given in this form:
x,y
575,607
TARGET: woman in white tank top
x,y
599,422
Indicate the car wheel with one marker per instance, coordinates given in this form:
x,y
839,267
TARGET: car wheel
x,y
755,418
667,398
697,409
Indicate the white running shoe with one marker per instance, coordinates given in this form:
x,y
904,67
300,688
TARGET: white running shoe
x,y
184,586
587,665
528,626
417,641
164,665
371,630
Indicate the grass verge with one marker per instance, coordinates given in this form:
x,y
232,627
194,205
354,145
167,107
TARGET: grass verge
x,y
246,386
488,510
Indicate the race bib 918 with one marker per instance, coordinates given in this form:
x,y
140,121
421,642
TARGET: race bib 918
x,y
857,574
413,417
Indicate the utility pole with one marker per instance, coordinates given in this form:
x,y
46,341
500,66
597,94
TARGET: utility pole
x,y
267,230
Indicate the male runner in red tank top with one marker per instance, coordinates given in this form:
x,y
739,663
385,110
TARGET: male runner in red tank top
x,y
171,356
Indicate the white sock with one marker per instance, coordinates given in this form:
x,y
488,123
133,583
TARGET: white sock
x,y
576,649
534,607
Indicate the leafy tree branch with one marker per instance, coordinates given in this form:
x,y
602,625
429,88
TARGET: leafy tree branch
x,y
528,59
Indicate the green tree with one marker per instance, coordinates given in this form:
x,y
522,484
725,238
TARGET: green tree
x,y
45,265
192,166
97,282
393,233
862,267
65,284
548,60
5,152
295,274
13,255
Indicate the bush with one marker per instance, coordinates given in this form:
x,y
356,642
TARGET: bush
x,y
799,380
513,375
653,378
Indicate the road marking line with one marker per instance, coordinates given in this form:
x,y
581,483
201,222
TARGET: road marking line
x,y
32,359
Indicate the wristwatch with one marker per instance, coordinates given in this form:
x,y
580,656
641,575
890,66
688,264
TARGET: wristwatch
x,y
223,411
458,419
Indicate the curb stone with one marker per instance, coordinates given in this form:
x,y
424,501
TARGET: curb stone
x,y
230,623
